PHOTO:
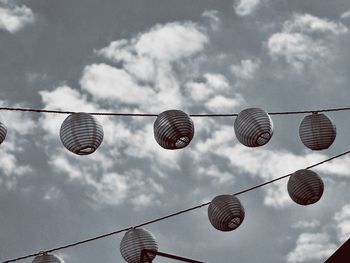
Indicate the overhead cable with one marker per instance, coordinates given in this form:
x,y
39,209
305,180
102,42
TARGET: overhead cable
x,y
155,115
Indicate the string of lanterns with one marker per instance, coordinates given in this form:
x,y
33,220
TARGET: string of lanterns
x,y
304,187
82,134
225,213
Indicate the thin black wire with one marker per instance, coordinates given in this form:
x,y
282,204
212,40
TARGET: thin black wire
x,y
155,115
167,216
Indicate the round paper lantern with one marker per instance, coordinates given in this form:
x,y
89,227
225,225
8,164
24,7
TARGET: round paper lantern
x,y
253,127
317,132
3,132
134,241
226,212
305,187
81,133
173,129
47,258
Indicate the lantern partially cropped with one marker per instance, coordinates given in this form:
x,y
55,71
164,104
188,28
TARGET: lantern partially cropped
x,y
173,129
305,187
317,132
81,133
134,241
253,127
47,258
3,132
226,212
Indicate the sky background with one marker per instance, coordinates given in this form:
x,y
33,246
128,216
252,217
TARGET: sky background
x,y
200,56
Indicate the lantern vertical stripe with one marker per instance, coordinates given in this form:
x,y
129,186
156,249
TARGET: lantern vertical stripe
x,y
47,258
81,133
134,241
305,187
173,129
226,212
253,127
317,132
3,132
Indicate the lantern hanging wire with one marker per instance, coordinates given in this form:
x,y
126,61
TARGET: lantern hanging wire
x,y
166,216
155,115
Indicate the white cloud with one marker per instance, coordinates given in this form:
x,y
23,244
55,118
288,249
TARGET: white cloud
x,y
246,69
51,193
221,103
11,169
311,247
14,18
216,175
305,39
342,219
345,15
171,42
307,23
213,17
109,188
18,125
110,83
307,224
245,7
200,91
33,77
297,49
168,42
148,58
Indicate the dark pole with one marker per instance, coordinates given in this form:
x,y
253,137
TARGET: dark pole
x,y
162,254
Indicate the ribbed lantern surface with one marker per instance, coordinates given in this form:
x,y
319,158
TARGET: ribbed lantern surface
x,y
3,132
81,133
305,187
317,131
253,127
173,129
47,258
134,241
226,212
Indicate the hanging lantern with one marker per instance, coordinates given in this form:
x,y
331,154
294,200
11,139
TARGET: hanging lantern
x,y
317,132
3,132
226,212
47,258
134,241
305,187
253,127
81,133
173,129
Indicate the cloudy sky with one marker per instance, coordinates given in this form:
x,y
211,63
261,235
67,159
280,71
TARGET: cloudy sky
x,y
200,56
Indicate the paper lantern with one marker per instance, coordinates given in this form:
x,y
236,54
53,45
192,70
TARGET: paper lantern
x,y
226,212
305,187
3,132
173,129
81,133
134,241
47,258
317,131
253,127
